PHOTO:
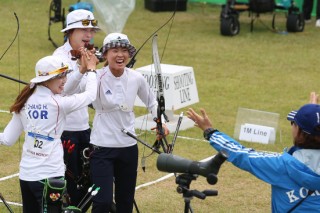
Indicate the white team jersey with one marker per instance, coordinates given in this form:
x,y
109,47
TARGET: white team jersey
x,y
43,120
114,107
77,120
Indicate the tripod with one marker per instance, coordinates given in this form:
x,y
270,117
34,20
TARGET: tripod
x,y
184,181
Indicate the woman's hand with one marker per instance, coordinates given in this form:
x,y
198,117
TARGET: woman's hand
x,y
88,60
165,131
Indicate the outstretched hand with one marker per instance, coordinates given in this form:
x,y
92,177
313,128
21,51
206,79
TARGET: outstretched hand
x,y
314,97
202,121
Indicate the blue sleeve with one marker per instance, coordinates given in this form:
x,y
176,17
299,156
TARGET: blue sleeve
x,y
266,166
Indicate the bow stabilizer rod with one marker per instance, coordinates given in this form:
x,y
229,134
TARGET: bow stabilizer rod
x,y
6,204
13,79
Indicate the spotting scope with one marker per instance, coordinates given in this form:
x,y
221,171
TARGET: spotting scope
x,y
176,164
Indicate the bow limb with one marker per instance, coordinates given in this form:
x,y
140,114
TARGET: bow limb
x,y
18,28
161,137
16,35
131,63
133,60
157,68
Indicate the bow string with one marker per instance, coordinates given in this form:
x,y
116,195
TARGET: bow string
x,y
133,59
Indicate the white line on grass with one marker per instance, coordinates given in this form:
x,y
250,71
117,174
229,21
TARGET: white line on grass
x,y
5,111
155,181
6,178
10,176
12,203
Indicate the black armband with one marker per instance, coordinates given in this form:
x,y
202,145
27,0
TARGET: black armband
x,y
208,132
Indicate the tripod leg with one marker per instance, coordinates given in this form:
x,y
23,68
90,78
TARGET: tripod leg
x,y
191,210
187,206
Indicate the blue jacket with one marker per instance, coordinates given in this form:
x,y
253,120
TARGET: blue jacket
x,y
289,173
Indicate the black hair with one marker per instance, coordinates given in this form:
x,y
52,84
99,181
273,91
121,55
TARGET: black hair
x,y
307,141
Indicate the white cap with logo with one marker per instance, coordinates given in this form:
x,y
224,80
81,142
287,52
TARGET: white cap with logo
x,y
80,19
49,67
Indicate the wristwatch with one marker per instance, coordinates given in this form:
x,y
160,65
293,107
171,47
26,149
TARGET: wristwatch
x,y
91,70
208,132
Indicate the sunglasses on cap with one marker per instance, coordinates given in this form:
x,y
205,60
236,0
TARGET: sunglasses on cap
x,y
86,22
58,71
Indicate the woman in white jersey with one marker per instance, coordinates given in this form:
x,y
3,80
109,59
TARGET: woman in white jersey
x,y
81,27
40,111
115,155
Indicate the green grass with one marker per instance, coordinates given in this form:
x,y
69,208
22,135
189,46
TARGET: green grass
x,y
260,70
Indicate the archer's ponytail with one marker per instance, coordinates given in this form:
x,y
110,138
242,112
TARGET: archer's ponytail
x,y
22,98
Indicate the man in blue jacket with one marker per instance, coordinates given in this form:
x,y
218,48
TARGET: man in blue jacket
x,y
294,174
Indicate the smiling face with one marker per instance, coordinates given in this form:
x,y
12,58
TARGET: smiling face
x,y
80,36
56,85
117,59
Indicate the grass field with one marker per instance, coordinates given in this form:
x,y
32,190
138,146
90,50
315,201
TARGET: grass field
x,y
261,70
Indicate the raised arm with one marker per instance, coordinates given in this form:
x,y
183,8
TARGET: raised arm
x,y
314,98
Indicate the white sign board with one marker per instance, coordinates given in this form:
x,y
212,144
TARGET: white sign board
x,y
257,133
256,126
180,90
179,85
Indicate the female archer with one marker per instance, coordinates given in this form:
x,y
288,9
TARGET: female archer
x,y
40,111
115,155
